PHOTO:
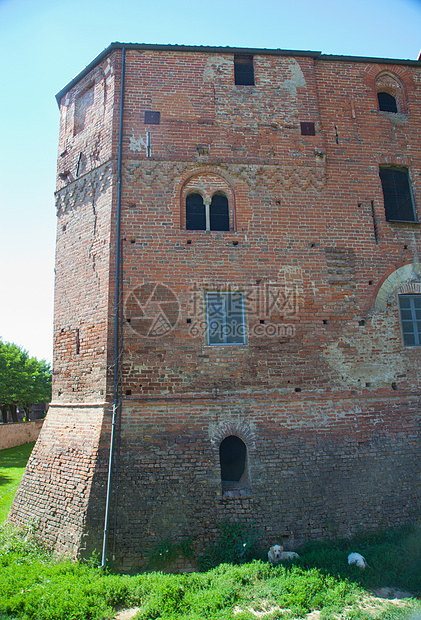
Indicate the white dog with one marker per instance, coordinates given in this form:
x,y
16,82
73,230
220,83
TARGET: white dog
x,y
358,559
277,554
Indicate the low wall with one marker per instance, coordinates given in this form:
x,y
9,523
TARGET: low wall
x,y
17,433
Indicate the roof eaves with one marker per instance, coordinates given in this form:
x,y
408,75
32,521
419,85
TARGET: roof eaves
x,y
369,59
87,69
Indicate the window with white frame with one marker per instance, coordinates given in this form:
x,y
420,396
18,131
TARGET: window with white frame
x,y
410,308
225,318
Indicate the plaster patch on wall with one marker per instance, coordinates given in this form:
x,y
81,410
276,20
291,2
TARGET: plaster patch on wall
x,y
361,359
217,66
296,80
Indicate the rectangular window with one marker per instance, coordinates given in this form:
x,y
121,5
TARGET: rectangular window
x,y
225,321
243,70
397,194
410,307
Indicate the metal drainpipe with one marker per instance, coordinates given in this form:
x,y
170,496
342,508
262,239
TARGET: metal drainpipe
x,y
116,360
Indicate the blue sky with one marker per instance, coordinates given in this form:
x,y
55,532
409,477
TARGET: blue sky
x,y
45,43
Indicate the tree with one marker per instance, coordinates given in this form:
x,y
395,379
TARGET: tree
x,y
24,380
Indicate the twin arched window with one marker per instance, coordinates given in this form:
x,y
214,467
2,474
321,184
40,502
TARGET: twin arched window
x,y
202,216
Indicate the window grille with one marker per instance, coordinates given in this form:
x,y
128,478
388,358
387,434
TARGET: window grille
x,y
243,70
397,194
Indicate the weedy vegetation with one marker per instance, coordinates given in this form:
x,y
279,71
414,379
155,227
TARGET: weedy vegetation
x,y
234,581
36,586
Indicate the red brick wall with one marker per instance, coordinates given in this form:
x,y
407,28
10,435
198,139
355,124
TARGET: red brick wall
x,y
323,393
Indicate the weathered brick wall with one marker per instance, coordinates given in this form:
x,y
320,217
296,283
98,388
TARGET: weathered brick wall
x,y
17,434
317,466
86,190
323,393
55,490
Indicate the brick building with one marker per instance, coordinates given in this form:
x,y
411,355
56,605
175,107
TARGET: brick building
x,y
238,289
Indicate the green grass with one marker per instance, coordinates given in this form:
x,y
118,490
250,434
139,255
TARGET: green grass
x,y
12,465
35,586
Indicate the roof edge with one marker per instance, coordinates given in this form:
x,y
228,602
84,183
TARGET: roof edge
x,y
370,59
227,50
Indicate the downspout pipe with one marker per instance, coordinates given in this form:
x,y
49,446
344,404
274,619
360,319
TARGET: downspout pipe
x,y
116,357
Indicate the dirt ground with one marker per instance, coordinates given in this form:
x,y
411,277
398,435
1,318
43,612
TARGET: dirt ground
x,y
380,597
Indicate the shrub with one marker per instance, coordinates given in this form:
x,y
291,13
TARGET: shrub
x,y
237,543
165,553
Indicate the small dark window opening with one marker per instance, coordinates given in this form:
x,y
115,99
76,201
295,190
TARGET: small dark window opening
x,y
410,308
243,70
219,213
232,457
397,195
387,103
308,129
195,212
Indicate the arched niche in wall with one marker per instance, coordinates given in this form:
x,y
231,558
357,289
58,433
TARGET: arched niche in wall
x,y
235,445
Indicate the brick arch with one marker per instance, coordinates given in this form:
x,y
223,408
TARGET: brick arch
x,y
395,80
399,72
233,427
404,279
207,182
389,82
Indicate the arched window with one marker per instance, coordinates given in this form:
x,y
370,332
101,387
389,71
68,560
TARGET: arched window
x,y
201,215
219,212
195,212
387,102
390,93
233,459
